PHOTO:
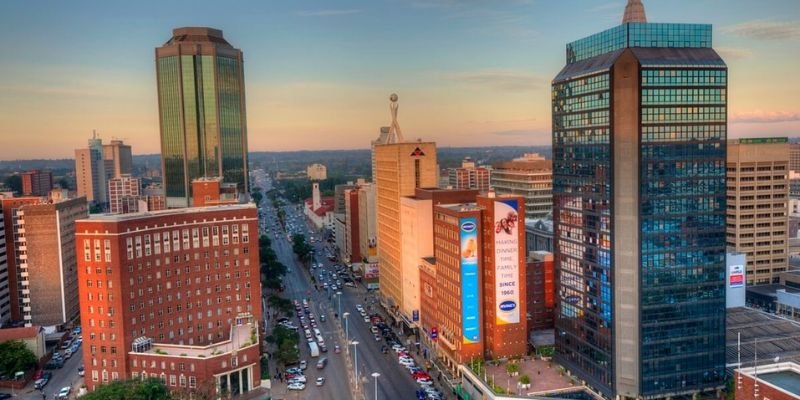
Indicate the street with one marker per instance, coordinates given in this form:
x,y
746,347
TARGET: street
x,y
66,376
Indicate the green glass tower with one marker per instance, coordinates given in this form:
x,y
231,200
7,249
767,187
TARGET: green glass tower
x,y
202,112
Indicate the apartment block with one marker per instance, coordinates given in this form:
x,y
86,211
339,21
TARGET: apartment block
x,y
36,183
469,176
530,176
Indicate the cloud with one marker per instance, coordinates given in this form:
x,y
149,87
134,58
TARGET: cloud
x,y
734,53
328,13
766,30
764,117
498,79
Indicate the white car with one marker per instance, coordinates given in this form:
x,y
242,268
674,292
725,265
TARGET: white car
x,y
64,393
303,364
320,381
298,378
296,386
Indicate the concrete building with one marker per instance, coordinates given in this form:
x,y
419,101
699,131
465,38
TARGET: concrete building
x,y
201,103
530,176
469,176
213,191
32,336
118,159
90,171
416,241
639,117
758,205
317,172
401,169
47,266
5,287
36,183
540,284
771,380
319,210
794,157
124,194
173,295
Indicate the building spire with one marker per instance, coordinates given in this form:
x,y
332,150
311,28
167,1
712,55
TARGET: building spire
x,y
634,12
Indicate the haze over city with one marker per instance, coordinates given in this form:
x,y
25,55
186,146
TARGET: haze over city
x,y
469,73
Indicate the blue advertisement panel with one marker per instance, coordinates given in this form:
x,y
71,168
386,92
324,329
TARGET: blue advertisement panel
x,y
470,303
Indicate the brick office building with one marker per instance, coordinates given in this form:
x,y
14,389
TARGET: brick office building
x,y
173,295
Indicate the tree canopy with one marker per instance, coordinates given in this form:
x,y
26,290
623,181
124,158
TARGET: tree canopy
x,y
15,357
148,389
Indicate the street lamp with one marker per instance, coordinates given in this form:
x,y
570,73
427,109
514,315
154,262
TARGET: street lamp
x,y
376,375
339,296
355,352
346,330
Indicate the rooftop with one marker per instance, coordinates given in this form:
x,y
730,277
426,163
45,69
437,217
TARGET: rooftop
x,y
784,376
174,211
775,336
242,336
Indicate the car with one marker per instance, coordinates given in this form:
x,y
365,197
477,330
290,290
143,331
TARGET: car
x,y
337,349
294,370
320,381
81,370
64,392
296,386
40,383
366,319
373,329
377,338
303,365
4,396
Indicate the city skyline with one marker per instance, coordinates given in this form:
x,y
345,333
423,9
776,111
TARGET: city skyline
x,y
468,73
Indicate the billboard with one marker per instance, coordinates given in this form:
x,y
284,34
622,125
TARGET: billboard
x,y
506,261
736,277
470,303
370,270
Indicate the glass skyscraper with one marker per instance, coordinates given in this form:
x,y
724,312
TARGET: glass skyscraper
x,y
202,112
639,131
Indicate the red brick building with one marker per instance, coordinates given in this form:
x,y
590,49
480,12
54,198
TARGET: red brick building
x,y
174,295
10,208
37,183
541,291
504,277
778,381
213,192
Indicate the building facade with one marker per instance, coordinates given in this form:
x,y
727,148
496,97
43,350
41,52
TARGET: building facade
x,y
201,105
794,157
10,208
44,236
124,194
758,205
531,177
90,171
401,169
5,286
469,176
37,183
540,283
172,295
118,159
639,141
317,172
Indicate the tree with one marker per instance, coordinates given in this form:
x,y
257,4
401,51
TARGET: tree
x,y
512,368
14,182
148,389
15,357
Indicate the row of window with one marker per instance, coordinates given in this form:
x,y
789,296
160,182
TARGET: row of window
x,y
683,96
684,77
153,244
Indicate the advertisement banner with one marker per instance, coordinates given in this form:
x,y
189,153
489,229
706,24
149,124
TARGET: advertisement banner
x,y
506,261
736,276
370,270
470,304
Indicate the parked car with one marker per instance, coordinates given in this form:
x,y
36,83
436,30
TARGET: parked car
x,y
64,392
296,386
40,383
322,363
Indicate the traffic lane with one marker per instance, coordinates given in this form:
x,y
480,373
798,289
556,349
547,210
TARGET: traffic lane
x,y
395,381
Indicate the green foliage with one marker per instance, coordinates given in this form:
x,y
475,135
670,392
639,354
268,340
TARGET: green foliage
x,y
287,342
148,389
512,368
14,182
525,379
15,357
301,248
545,351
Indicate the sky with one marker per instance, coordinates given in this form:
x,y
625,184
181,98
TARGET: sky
x,y
318,73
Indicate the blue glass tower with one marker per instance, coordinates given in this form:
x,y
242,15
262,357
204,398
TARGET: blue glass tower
x,y
639,131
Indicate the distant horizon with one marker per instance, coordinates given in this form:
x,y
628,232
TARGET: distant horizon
x,y
318,75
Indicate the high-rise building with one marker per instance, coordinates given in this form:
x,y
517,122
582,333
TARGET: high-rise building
x,y
383,138
90,171
5,287
639,142
36,183
401,169
202,112
44,236
530,176
794,157
118,159
540,284
10,208
758,206
469,176
173,294
124,194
